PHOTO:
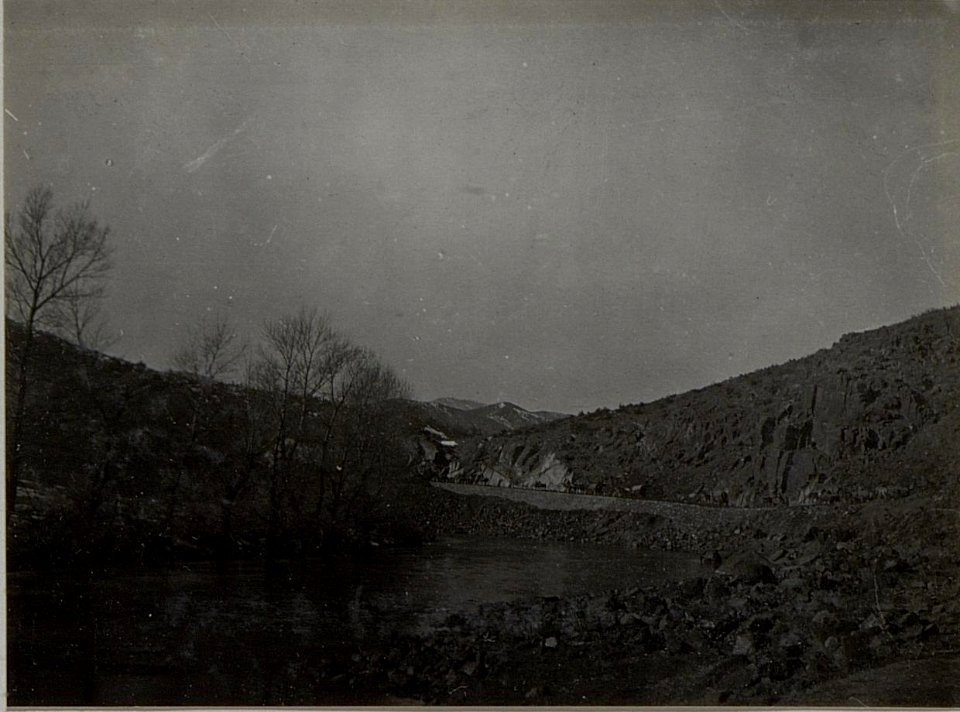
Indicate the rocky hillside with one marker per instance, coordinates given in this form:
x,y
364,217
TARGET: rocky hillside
x,y
838,425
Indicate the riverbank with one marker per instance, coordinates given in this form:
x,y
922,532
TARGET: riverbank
x,y
786,605
802,601
467,510
218,633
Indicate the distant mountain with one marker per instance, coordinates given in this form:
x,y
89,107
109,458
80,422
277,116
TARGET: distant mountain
x,y
454,423
468,416
512,416
876,415
549,415
458,403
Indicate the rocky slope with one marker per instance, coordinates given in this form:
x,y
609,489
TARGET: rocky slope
x,y
839,605
811,430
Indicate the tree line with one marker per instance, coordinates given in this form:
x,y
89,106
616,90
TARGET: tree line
x,y
286,438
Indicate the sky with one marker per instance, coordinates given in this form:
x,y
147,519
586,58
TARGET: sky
x,y
564,204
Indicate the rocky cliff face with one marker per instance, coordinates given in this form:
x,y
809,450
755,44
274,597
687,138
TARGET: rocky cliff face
x,y
811,430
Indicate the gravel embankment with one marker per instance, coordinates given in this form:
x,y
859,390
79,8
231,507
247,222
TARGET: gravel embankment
x,y
804,605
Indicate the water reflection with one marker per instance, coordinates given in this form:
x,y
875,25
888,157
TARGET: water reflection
x,y
245,634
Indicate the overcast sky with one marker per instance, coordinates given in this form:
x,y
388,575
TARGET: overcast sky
x,y
563,204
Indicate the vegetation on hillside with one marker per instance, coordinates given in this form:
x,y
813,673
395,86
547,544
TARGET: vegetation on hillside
x,y
123,461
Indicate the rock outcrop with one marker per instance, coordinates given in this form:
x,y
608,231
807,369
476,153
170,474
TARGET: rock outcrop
x,y
792,433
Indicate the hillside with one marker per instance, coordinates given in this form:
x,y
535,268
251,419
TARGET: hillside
x,y
847,423
163,457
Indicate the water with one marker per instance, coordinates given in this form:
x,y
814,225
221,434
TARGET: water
x,y
239,634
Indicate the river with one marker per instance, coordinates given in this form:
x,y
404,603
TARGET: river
x,y
208,634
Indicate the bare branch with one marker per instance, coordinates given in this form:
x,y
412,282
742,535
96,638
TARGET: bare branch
x,y
302,351
55,267
212,350
53,259
77,317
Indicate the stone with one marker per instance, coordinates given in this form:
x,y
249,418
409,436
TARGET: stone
x,y
748,568
792,584
743,645
791,643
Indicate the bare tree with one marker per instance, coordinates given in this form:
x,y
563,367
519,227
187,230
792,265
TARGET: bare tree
x,y
212,350
79,318
362,428
299,356
52,257
252,436
329,430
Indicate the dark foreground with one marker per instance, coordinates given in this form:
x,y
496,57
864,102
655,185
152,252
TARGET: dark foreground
x,y
830,606
827,606
246,632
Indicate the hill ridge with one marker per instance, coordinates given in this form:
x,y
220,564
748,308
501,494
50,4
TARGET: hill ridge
x,y
781,434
